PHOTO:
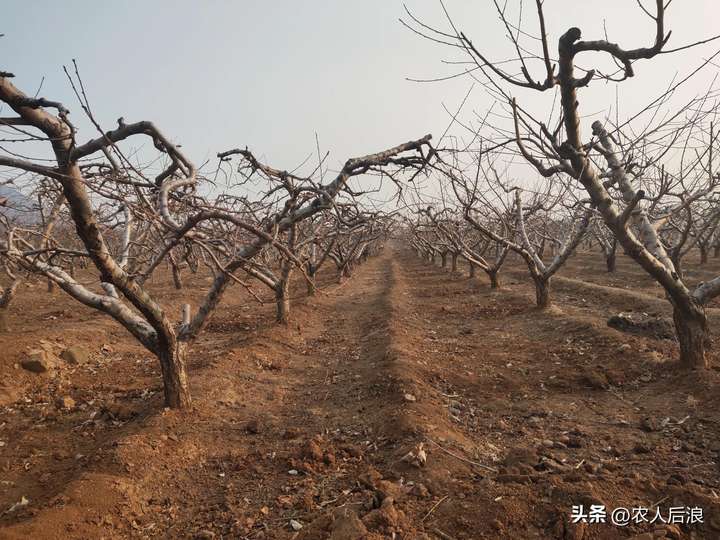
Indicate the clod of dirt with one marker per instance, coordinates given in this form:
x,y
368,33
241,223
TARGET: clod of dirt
x,y
38,361
592,467
352,450
570,531
641,448
574,442
204,535
520,456
574,476
317,528
65,403
513,479
650,424
47,346
340,524
347,526
253,427
307,502
302,466
75,355
385,489
119,411
595,379
420,491
642,325
312,451
370,478
385,518
9,394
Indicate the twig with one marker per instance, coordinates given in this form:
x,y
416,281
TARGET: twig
x,y
433,508
492,469
325,503
442,535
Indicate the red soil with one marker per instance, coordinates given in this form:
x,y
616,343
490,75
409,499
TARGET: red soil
x,y
521,414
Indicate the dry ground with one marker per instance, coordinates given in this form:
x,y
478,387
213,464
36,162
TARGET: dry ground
x,y
521,414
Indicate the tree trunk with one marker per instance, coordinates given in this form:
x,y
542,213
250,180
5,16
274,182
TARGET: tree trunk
x,y
692,333
311,284
542,293
282,301
472,270
716,251
454,262
172,365
678,264
177,279
703,254
494,279
7,296
611,262
541,249
344,272
444,259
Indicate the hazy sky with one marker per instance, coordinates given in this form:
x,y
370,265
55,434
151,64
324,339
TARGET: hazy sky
x,y
269,74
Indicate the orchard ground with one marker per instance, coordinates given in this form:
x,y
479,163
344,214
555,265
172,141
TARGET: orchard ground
x,y
407,400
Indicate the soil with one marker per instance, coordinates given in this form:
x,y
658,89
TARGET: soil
x,y
407,402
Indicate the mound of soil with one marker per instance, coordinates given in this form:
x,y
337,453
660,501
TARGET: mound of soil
x,y
643,325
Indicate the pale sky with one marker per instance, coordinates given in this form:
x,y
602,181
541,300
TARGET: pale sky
x,y
218,74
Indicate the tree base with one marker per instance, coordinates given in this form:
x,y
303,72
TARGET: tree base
x,y
693,336
175,382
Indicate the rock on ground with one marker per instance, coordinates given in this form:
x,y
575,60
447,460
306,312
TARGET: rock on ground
x,y
75,355
38,361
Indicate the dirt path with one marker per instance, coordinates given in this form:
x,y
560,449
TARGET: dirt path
x,y
407,402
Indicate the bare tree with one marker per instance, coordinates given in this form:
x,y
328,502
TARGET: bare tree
x,y
486,197
607,243
464,240
561,150
169,204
